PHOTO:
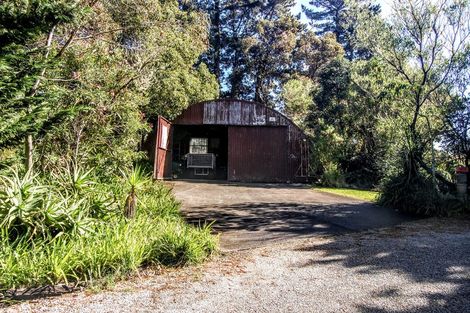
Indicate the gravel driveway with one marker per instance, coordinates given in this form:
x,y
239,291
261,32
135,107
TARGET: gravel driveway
x,y
416,266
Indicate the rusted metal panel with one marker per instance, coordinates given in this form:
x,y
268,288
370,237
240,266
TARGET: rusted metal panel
x,y
273,118
259,115
263,144
231,112
216,113
222,110
193,115
257,154
235,113
210,112
246,114
298,159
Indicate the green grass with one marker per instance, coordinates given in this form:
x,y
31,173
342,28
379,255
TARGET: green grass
x,y
366,195
68,235
112,250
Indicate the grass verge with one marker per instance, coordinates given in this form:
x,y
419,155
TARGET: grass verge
x,y
366,195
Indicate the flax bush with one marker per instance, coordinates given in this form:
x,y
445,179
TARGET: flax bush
x,y
31,209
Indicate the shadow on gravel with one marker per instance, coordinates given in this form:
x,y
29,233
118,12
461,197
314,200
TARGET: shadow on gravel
x,y
294,218
14,296
274,217
252,215
424,258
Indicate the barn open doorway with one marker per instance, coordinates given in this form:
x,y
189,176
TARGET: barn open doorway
x,y
200,152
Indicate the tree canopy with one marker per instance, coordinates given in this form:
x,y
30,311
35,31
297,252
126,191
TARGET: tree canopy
x,y
384,100
81,77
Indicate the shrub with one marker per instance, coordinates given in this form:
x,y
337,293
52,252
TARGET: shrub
x,y
332,176
136,179
417,195
182,244
29,209
156,200
111,249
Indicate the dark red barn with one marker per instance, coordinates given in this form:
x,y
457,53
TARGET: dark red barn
x,y
231,140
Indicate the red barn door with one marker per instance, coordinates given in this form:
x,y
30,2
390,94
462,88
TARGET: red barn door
x,y
162,162
257,154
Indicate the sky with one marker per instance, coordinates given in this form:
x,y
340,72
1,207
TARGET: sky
x,y
385,4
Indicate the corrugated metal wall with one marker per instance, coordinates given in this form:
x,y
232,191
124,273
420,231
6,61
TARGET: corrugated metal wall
x,y
191,116
263,144
257,154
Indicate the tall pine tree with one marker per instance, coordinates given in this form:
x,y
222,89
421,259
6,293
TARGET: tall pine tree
x,y
338,17
250,44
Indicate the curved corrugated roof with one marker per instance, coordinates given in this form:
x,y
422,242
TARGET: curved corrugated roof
x,y
233,112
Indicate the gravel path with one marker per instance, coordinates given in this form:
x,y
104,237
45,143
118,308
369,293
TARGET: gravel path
x,y
421,266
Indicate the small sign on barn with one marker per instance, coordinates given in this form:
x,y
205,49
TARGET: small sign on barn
x,y
232,140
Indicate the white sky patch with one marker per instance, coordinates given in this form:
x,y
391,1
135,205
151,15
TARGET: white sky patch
x,y
386,6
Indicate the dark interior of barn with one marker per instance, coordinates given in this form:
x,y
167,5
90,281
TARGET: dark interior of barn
x,y
200,152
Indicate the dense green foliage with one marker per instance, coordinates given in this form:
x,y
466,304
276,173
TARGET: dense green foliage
x,y
257,46
75,232
80,83
112,250
26,30
424,45
338,17
87,82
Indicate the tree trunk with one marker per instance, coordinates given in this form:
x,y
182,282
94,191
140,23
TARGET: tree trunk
x,y
236,76
433,156
438,175
29,146
217,39
258,96
29,153
131,203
